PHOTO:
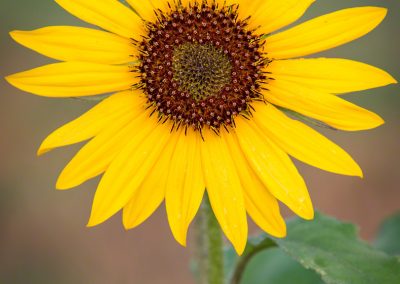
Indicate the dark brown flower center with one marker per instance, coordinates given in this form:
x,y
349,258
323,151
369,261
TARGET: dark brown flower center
x,y
201,67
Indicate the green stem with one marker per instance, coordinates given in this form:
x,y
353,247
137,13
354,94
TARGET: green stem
x,y
209,254
248,255
215,247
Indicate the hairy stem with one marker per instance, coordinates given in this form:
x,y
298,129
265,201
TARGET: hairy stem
x,y
209,253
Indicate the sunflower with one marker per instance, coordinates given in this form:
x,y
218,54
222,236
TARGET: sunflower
x,y
201,93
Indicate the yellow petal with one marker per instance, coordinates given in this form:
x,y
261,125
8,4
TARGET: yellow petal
x,y
185,3
303,142
271,15
325,107
95,157
77,44
144,8
151,192
160,5
331,75
324,32
92,122
224,189
74,79
261,205
185,184
110,15
128,170
274,168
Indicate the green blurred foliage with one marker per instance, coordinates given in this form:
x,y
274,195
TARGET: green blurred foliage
x,y
388,238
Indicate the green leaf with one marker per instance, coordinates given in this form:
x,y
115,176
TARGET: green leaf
x,y
388,238
263,262
333,250
276,267
326,247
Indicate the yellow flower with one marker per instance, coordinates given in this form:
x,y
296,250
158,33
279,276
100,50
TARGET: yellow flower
x,y
200,92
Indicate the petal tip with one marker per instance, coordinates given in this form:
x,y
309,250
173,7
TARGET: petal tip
x,y
13,80
380,11
93,221
13,34
128,223
61,184
16,35
371,121
182,242
359,173
307,213
10,79
181,238
353,168
278,228
43,149
392,80
239,249
280,232
386,78
66,181
239,244
309,216
41,152
90,224
379,121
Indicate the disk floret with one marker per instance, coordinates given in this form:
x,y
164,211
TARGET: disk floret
x,y
201,66
201,70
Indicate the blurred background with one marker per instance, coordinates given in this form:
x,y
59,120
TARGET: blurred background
x,y
43,238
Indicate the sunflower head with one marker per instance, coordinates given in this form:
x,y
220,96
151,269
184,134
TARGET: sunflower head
x,y
198,92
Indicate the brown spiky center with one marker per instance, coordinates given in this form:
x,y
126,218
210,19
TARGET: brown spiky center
x,y
201,66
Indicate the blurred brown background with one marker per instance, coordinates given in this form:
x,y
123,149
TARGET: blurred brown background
x,y
43,238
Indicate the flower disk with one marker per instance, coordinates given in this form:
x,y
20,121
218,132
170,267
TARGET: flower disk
x,y
201,70
201,66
